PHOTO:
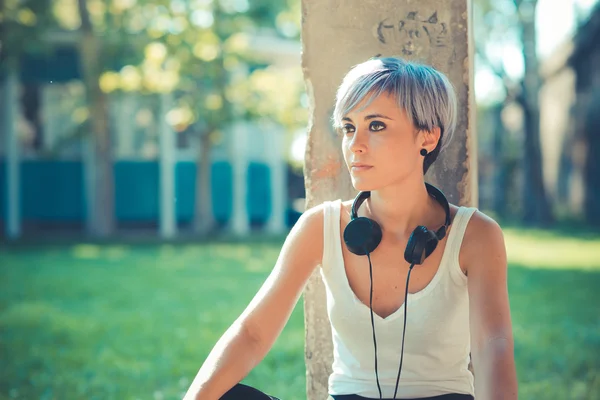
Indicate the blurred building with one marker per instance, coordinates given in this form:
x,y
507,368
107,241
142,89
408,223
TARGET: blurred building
x,y
47,106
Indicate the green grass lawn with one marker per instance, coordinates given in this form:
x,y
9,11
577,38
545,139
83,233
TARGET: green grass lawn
x,y
90,321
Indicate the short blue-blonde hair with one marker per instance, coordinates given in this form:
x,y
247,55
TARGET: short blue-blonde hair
x,y
425,94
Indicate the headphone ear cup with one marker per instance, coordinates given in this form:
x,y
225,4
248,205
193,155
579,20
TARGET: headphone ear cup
x,y
431,244
362,235
421,244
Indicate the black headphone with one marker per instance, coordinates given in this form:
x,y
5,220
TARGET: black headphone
x,y
362,235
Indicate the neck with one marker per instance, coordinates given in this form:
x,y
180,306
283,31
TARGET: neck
x,y
400,208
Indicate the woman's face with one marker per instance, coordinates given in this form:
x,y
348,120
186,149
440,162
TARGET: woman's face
x,y
380,144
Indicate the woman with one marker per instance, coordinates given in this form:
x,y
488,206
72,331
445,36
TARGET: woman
x,y
395,117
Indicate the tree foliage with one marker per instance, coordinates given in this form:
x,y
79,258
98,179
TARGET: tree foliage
x,y
22,24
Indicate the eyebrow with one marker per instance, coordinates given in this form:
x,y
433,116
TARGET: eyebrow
x,y
370,116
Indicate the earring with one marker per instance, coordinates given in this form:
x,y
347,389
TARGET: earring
x,y
423,152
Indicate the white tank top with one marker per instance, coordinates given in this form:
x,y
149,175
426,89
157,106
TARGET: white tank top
x,y
437,343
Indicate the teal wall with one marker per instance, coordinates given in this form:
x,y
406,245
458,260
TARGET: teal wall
x,y
53,191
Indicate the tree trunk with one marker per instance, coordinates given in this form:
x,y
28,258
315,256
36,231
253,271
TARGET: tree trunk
x,y
500,170
591,169
10,112
565,170
103,221
204,219
536,207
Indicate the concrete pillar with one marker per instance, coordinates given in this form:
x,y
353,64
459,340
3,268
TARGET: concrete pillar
x,y
13,155
239,224
51,115
167,220
123,108
277,167
337,35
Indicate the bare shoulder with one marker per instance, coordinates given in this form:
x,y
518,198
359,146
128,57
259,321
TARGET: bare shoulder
x,y
482,223
483,229
483,241
307,234
312,217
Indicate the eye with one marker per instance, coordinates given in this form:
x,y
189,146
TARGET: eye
x,y
376,126
348,128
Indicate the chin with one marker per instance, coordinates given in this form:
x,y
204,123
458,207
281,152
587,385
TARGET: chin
x,y
364,185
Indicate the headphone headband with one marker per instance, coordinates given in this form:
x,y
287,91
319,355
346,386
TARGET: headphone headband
x,y
431,190
360,198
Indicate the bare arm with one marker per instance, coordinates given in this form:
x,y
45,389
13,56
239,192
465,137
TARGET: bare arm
x,y
252,335
492,344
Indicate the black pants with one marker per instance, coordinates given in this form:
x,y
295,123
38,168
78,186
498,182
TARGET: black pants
x,y
244,392
442,397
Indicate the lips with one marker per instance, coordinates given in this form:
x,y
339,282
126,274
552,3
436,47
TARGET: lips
x,y
357,167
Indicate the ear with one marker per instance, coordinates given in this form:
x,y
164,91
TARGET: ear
x,y
429,139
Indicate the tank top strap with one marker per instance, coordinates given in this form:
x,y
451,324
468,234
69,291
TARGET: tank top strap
x,y
455,240
331,231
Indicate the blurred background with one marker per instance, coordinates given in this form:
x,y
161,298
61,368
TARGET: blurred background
x,y
151,156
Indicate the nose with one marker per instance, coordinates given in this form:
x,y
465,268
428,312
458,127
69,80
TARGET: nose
x,y
358,142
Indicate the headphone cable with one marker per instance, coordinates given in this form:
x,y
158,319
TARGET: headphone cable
x,y
373,322
403,329
373,326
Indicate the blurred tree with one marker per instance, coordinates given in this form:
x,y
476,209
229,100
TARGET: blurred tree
x,y
202,52
535,201
235,84
581,148
198,50
592,165
91,56
512,22
220,77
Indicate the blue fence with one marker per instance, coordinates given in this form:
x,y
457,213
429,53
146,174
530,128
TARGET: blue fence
x,y
53,191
